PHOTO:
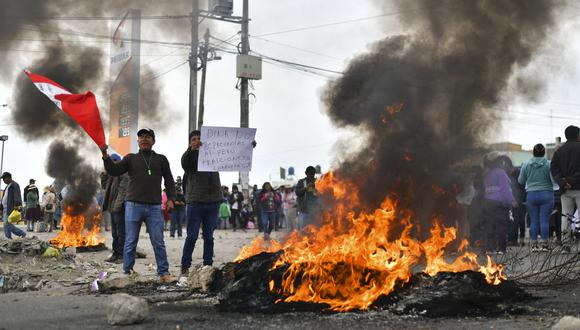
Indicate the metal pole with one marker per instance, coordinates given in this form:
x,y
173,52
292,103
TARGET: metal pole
x,y
204,52
2,162
193,66
244,97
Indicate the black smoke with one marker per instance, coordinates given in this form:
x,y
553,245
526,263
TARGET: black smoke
x,y
78,66
69,168
426,100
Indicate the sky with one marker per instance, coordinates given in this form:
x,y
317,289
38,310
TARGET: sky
x,y
286,110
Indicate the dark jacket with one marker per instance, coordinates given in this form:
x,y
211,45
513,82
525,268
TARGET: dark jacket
x,y
565,165
238,199
307,201
144,188
202,187
115,193
14,197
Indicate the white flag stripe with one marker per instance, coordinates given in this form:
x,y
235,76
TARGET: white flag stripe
x,y
50,91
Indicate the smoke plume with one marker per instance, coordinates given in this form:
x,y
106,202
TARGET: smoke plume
x,y
67,166
427,99
77,65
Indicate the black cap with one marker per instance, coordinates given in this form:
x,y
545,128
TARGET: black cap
x,y
310,169
147,131
31,181
6,175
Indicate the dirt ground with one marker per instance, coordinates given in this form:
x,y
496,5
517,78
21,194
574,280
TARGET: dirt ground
x,y
58,304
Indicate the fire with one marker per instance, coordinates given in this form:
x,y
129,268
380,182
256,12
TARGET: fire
x,y
493,272
74,232
391,110
351,260
258,246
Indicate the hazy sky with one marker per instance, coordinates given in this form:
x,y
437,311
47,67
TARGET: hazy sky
x,y
292,129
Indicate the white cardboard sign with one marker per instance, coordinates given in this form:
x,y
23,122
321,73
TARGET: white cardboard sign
x,y
226,149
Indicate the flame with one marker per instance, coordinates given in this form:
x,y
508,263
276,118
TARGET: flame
x,y
75,234
350,260
391,110
258,246
493,272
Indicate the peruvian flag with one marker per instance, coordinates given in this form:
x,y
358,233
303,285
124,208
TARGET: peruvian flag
x,y
80,107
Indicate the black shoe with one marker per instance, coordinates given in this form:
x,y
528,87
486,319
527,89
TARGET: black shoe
x,y
184,271
113,258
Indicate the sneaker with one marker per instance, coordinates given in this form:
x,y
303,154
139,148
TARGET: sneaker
x,y
535,248
167,278
112,258
184,271
544,248
500,253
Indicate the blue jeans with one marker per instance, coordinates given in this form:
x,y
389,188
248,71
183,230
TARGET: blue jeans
x,y
135,214
177,217
540,205
9,228
268,221
202,215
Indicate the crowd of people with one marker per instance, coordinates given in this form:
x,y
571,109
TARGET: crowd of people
x,y
542,195
498,207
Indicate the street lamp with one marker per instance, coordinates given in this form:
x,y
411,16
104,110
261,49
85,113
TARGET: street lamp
x,y
3,138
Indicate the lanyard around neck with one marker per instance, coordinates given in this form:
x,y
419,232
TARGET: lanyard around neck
x,y
148,164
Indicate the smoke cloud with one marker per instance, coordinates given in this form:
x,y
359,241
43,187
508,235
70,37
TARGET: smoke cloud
x,y
427,100
68,167
78,66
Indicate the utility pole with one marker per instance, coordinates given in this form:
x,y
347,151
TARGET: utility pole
x,y
193,66
244,177
244,98
204,52
3,138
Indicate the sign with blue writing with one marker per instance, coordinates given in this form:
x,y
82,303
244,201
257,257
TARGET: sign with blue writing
x,y
226,149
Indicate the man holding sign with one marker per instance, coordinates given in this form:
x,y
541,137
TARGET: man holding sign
x,y
203,191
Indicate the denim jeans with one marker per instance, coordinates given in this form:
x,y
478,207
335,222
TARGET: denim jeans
x,y
202,215
540,205
9,228
177,217
269,221
118,232
135,214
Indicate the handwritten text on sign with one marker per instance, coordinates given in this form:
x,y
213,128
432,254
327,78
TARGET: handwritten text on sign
x,y
226,149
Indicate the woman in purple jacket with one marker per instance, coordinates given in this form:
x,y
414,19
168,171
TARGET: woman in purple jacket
x,y
498,199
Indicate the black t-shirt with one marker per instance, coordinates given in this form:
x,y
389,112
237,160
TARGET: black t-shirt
x,y
180,198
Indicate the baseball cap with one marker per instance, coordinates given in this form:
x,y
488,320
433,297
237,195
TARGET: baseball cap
x,y
6,175
147,131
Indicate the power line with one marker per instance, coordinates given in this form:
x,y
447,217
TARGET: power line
x,y
165,72
93,18
297,48
318,26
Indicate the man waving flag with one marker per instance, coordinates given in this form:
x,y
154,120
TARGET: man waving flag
x,y
82,108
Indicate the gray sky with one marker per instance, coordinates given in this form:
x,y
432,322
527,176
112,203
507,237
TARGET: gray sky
x,y
292,129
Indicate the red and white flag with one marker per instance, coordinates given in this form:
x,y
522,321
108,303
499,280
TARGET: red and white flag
x,y
82,108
